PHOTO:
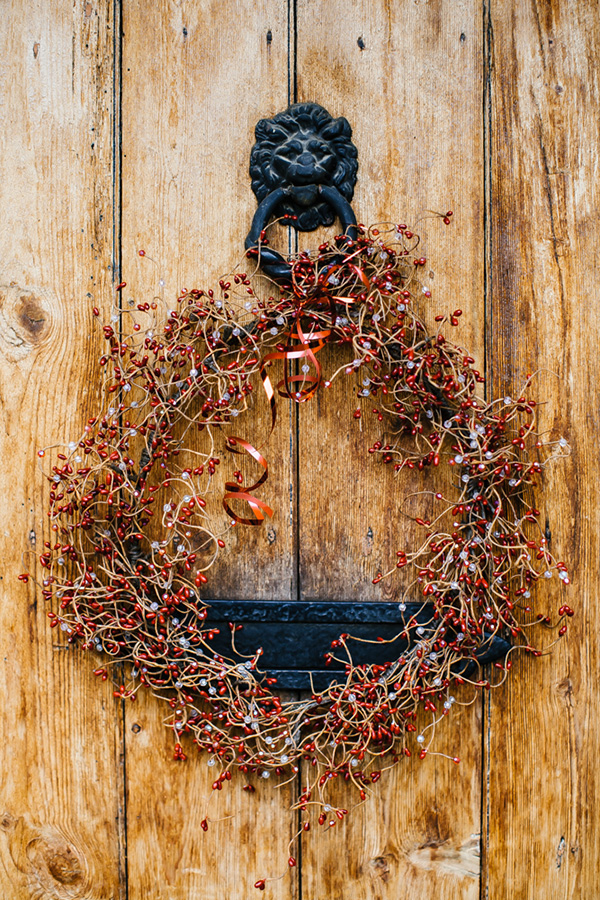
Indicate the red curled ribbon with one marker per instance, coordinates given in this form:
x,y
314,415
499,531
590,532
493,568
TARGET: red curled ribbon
x,y
301,350
239,492
298,346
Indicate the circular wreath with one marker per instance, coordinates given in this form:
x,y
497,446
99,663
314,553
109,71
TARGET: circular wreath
x,y
134,539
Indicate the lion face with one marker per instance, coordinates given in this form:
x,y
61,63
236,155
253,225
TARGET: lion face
x,y
304,159
300,147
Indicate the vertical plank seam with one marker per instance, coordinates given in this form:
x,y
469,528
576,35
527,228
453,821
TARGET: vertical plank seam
x,y
487,194
295,421
117,92
486,733
294,6
292,97
117,203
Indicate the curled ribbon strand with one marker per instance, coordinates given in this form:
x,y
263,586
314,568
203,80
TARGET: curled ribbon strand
x,y
298,346
240,492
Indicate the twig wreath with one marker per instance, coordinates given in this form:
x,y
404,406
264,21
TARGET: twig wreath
x,y
128,509
136,504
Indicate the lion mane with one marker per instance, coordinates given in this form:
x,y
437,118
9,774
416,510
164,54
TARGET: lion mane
x,y
310,129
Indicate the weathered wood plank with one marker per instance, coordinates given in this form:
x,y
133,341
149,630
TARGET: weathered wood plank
x,y
413,97
409,77
190,108
192,94
60,755
542,735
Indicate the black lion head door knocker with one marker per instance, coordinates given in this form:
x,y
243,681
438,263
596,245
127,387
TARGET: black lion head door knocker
x,y
303,168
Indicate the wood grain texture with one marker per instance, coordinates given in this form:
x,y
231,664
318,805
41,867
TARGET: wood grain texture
x,y
419,139
509,143
542,731
192,95
189,112
61,795
409,78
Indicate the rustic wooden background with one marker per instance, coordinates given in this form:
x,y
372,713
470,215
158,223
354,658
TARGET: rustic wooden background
x,y
127,125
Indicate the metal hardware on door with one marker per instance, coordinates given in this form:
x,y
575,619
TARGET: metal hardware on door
x,y
303,167
296,635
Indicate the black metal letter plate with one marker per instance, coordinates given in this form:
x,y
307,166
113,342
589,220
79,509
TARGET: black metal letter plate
x,y
296,636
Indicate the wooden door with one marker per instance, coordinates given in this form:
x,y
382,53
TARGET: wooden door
x,y
128,126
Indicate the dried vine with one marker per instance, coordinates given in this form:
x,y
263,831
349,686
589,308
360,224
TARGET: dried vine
x,y
133,539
